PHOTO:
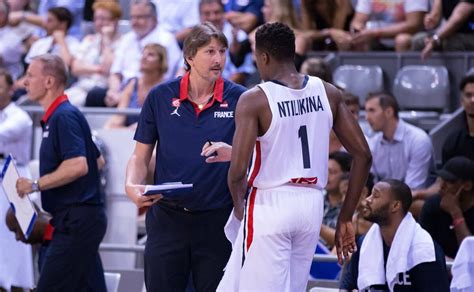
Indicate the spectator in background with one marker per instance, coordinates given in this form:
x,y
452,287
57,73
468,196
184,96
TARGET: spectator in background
x,y
353,104
400,150
178,17
244,15
57,39
317,67
15,124
396,254
126,65
339,163
152,68
326,23
94,57
213,11
11,49
377,20
76,7
457,33
449,216
459,142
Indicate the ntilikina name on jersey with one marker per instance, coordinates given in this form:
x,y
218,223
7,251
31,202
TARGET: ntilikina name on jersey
x,y
299,107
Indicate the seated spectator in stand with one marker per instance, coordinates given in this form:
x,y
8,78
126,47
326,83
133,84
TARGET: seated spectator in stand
x,y
326,24
152,68
16,269
213,11
57,25
76,7
396,254
244,15
174,20
449,216
378,20
459,142
361,225
126,65
457,33
353,104
339,163
11,44
317,67
15,124
400,150
91,64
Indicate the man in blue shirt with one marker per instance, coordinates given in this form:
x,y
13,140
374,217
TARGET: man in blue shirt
x,y
69,184
186,233
396,254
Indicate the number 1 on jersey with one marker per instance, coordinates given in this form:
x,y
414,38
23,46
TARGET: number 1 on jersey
x,y
303,135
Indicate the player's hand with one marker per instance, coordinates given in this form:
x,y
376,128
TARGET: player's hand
x,y
345,240
135,193
216,152
24,186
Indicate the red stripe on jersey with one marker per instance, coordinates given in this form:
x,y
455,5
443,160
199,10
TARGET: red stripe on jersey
x,y
256,163
250,218
305,180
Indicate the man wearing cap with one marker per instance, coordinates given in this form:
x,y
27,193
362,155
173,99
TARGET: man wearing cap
x,y
449,215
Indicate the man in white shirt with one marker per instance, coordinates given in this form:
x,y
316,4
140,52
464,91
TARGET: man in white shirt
x,y
10,45
15,137
174,20
400,150
145,30
57,25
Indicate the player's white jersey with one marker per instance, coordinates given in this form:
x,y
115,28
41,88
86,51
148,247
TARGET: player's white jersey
x,y
295,147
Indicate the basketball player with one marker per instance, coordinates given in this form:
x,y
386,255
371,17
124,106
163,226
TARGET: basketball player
x,y
287,119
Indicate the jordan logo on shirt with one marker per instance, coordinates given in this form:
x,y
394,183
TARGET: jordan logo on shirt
x,y
176,104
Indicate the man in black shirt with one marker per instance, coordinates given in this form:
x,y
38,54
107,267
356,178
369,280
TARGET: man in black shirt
x,y
449,216
396,252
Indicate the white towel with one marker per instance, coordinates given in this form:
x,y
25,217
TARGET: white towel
x,y
463,267
411,246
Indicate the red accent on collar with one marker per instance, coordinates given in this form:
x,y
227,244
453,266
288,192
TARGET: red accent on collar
x,y
218,88
48,232
59,100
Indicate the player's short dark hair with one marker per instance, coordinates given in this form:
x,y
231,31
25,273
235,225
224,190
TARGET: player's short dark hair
x,y
344,159
7,76
386,100
400,191
205,2
466,80
201,35
277,40
63,15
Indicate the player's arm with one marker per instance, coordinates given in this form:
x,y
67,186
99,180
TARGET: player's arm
x,y
137,169
246,122
349,133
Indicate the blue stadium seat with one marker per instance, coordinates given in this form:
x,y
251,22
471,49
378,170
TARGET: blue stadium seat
x,y
422,88
359,80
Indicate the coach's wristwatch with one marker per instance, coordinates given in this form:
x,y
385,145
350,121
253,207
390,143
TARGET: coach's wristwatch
x,y
35,186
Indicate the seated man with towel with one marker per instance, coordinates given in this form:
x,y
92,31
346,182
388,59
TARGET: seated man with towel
x,y
396,254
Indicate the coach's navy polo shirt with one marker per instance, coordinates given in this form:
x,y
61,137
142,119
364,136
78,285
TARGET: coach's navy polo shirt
x,y
181,129
67,135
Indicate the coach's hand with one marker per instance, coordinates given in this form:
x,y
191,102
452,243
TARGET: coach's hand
x,y
216,152
24,186
135,193
345,240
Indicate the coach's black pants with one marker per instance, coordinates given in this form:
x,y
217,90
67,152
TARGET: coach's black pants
x,y
72,261
180,242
